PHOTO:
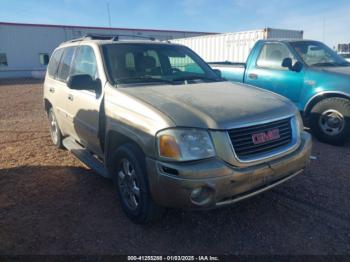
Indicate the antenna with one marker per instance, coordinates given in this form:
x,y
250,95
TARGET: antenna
x,y
109,17
324,30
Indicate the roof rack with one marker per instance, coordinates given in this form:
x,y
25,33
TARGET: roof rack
x,y
116,38
110,37
98,37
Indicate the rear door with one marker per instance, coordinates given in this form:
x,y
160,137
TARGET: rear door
x,y
61,84
83,106
269,74
51,93
55,85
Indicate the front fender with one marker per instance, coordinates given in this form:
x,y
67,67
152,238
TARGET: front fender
x,y
320,84
133,119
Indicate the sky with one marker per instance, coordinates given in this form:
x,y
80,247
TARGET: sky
x,y
323,20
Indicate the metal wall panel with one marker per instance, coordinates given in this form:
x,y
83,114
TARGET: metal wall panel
x,y
22,44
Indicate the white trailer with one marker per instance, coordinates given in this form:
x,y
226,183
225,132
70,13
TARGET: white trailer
x,y
233,47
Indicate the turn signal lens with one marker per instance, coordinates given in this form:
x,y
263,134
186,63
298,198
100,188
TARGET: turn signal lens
x,y
168,147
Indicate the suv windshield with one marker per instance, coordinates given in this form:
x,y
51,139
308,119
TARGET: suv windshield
x,y
318,54
130,63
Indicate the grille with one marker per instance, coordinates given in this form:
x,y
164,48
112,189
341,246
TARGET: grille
x,y
242,138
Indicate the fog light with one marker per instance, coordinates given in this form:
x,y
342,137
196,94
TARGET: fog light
x,y
202,195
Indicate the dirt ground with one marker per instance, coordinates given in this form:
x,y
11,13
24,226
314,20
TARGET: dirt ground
x,y
50,203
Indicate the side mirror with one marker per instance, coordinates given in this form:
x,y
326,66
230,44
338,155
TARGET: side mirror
x,y
217,72
288,63
298,66
84,82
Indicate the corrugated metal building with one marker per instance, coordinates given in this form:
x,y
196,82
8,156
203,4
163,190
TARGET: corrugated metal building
x,y
23,46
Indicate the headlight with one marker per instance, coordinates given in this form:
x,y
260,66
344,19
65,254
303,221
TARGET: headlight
x,y
185,144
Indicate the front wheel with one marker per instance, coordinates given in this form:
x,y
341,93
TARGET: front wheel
x,y
330,120
129,176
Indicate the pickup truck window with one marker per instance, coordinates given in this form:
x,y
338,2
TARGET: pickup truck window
x,y
184,64
143,63
272,55
316,53
85,62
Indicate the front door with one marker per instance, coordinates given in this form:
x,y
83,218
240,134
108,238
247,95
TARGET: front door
x,y
269,74
84,105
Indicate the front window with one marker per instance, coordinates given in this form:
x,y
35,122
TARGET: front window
x,y
85,62
3,60
272,56
318,54
130,63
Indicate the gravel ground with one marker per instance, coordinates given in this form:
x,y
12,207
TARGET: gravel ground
x,y
50,203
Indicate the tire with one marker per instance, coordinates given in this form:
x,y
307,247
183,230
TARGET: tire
x,y
129,171
55,132
330,120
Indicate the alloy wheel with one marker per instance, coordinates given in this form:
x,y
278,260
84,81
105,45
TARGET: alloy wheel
x,y
53,128
129,185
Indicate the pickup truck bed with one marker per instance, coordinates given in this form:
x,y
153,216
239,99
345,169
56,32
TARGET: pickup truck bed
x,y
232,71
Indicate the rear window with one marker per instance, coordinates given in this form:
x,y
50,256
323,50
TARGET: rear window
x,y
54,62
65,65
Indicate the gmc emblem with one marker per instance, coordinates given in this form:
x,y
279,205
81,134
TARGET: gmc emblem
x,y
264,137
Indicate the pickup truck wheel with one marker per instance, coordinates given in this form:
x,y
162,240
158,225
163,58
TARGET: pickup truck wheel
x,y
330,120
55,131
130,180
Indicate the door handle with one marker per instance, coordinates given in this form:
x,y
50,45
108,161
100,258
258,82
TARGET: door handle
x,y
253,76
52,90
70,97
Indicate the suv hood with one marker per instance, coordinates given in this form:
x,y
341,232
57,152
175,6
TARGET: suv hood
x,y
218,105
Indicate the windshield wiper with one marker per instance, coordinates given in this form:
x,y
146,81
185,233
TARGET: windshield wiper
x,y
345,64
141,79
326,64
148,79
193,77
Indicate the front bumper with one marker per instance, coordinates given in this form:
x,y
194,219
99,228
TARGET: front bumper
x,y
212,183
